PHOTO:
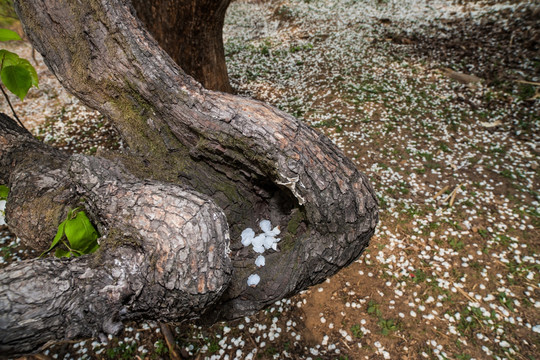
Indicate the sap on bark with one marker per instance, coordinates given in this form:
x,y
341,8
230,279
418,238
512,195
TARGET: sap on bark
x,y
201,166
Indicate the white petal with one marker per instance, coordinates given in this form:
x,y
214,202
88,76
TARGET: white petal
x,y
275,231
247,236
258,240
265,225
253,280
260,261
259,249
268,241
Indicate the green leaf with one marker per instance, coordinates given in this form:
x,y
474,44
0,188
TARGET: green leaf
x,y
76,253
7,58
17,79
4,192
92,247
57,237
62,253
31,70
8,35
81,234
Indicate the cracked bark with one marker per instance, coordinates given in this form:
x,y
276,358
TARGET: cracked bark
x,y
253,161
165,254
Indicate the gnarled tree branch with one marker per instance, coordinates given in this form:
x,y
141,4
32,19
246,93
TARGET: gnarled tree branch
x,y
165,254
254,161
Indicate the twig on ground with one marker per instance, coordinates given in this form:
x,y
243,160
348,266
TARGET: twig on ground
x,y
452,196
169,339
255,345
347,345
528,82
441,192
474,300
440,333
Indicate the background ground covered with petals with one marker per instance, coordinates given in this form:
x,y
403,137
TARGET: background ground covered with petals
x,y
438,102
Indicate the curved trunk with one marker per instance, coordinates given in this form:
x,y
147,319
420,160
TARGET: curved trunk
x,y
165,254
254,161
191,32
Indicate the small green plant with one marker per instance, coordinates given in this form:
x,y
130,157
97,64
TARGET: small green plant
x,y
80,234
483,232
213,346
357,331
444,147
373,308
504,300
503,240
124,351
387,326
8,251
161,347
271,351
427,156
472,318
4,192
418,276
456,244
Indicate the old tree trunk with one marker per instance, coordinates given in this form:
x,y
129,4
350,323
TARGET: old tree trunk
x,y
201,166
191,32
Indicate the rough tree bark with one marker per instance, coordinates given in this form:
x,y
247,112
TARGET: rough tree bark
x,y
166,254
191,151
191,31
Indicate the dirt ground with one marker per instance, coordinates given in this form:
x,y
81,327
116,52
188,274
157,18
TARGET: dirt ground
x,y
438,102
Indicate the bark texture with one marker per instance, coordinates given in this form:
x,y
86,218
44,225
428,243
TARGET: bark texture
x,y
254,161
191,32
165,255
